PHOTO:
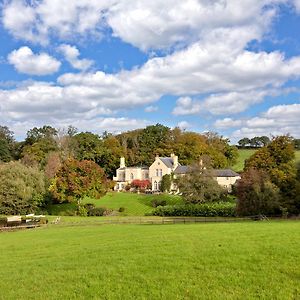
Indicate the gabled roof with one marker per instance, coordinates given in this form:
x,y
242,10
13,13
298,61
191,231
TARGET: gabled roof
x,y
182,170
224,173
168,161
214,172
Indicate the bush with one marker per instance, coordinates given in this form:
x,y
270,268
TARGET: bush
x,y
97,212
121,209
89,206
82,211
21,189
221,209
158,202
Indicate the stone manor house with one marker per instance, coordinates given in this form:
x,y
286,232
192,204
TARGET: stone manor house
x,y
166,165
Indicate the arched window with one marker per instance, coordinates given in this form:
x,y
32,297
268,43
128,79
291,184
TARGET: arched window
x,y
155,186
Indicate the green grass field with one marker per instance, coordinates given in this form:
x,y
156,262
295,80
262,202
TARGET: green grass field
x,y
247,260
246,153
134,204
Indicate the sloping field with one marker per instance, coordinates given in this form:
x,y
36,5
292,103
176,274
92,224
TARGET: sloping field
x,y
246,153
248,260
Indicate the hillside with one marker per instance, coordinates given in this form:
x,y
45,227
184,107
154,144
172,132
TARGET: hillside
x,y
246,153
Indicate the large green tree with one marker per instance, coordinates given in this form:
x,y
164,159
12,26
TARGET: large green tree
x,y
21,188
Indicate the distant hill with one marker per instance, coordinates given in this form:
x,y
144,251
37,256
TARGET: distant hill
x,y
246,153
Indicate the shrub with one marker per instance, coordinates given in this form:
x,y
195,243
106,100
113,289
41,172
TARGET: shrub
x,y
89,206
158,202
21,189
82,211
221,209
97,211
121,209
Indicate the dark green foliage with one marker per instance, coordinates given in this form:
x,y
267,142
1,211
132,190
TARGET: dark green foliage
x,y
277,161
166,181
218,209
121,209
158,202
257,195
97,211
22,189
199,187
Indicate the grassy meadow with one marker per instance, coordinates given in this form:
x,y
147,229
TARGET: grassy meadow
x,y
196,261
134,204
246,153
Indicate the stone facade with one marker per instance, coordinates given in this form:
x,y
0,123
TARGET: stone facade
x,y
162,166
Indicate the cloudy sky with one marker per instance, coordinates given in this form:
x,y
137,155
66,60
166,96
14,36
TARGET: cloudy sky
x,y
229,66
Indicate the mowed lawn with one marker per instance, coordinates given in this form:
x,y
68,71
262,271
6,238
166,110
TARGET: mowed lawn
x,y
250,260
133,203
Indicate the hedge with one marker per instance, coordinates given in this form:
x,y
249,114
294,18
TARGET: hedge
x,y
220,209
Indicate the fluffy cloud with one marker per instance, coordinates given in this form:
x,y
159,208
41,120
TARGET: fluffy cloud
x,y
184,125
25,61
186,106
227,123
144,24
208,58
36,21
280,119
151,108
71,54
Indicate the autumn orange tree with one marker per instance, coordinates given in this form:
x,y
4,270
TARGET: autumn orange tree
x,y
76,179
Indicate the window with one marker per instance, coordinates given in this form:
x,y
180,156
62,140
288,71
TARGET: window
x,y
157,172
131,176
160,172
155,186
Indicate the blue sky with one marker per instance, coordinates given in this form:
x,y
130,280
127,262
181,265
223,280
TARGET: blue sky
x,y
227,66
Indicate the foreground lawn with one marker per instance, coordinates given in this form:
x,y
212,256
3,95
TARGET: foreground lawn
x,y
197,261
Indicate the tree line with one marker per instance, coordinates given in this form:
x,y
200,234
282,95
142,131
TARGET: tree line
x,y
69,165
262,141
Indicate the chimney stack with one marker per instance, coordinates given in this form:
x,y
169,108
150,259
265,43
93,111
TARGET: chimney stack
x,y
122,162
175,160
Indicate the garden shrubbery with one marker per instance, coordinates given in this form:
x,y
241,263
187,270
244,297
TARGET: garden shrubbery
x,y
218,209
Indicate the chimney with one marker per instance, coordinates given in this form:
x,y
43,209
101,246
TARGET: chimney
x,y
175,160
122,162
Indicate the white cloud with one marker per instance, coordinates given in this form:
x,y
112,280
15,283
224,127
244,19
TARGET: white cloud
x,y
186,106
25,61
97,125
227,123
71,54
151,108
142,23
184,125
277,120
37,21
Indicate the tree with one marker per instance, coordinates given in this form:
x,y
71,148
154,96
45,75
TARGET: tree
x,y
199,186
35,134
166,182
21,189
7,144
76,179
277,160
257,195
244,142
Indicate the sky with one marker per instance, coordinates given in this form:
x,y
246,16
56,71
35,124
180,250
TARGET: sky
x,y
227,66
